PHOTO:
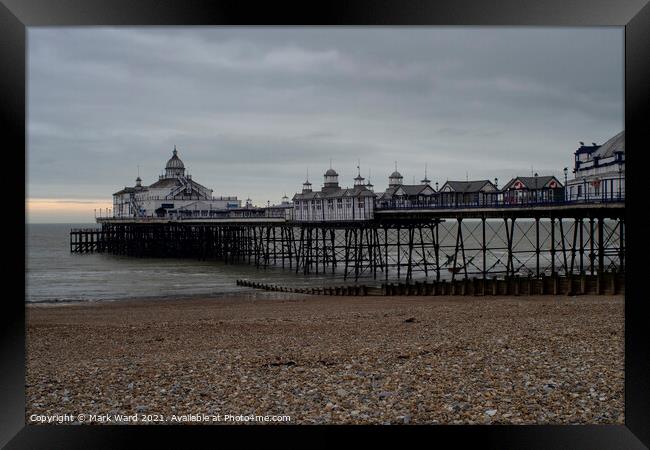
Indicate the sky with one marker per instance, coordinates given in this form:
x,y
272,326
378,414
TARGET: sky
x,y
253,110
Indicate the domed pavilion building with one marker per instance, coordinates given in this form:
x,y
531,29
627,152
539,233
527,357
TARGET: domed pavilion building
x,y
174,195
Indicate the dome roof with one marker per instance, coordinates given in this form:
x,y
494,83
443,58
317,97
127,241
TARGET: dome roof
x,y
175,162
615,144
395,174
331,173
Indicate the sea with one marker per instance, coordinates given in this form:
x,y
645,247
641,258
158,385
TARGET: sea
x,y
54,274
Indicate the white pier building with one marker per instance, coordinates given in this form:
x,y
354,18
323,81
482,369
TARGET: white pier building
x,y
333,203
599,171
174,195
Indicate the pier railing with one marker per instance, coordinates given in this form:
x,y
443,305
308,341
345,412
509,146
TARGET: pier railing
x,y
435,204
494,204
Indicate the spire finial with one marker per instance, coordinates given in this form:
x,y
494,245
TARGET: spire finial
x,y
425,170
359,167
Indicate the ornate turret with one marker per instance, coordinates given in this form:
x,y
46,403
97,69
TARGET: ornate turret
x,y
175,167
395,178
138,182
306,186
331,179
358,180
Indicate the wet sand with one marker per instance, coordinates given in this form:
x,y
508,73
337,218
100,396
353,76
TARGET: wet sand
x,y
447,360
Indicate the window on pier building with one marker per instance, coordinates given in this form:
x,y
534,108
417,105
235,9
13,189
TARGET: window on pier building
x,y
339,203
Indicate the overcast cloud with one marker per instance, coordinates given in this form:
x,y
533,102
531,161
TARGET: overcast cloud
x,y
251,109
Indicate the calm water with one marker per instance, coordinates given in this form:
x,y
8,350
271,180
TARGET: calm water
x,y
53,273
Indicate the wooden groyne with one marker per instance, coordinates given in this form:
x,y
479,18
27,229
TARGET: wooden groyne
x,y
608,283
348,290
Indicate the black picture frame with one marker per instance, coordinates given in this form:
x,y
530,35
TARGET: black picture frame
x,y
634,15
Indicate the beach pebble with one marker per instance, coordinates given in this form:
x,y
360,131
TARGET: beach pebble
x,y
329,361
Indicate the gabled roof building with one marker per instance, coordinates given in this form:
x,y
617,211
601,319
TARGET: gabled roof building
x,y
467,193
535,189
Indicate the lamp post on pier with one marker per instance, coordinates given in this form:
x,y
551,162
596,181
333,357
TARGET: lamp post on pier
x,y
566,196
620,178
437,197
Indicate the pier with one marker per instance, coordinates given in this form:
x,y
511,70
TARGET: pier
x,y
429,243
533,226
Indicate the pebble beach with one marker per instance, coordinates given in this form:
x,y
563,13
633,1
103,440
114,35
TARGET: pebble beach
x,y
331,360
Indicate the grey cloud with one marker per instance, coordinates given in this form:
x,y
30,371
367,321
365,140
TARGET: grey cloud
x,y
252,108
